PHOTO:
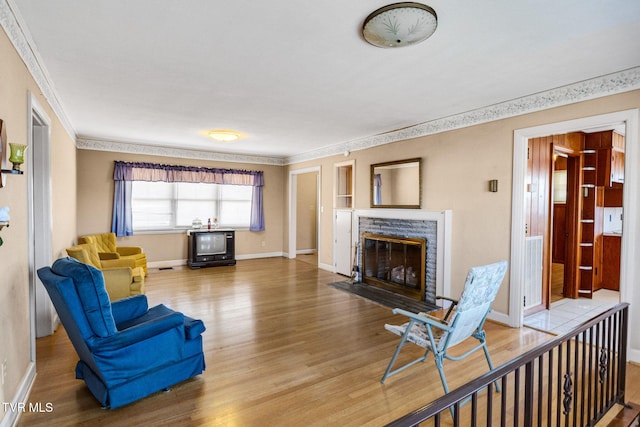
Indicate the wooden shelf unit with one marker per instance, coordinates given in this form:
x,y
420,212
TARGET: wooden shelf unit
x,y
590,225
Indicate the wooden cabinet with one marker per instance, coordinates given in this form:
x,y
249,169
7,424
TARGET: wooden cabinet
x,y
568,143
343,203
609,146
617,166
610,167
611,262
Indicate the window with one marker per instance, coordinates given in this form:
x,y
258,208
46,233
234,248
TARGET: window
x,y
170,205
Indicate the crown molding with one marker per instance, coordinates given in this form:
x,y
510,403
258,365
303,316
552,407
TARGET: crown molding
x,y
151,150
17,32
610,84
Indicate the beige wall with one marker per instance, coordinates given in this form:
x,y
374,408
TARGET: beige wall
x,y
15,85
95,201
457,166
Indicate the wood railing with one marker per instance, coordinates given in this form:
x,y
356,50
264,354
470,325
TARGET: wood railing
x,y
572,380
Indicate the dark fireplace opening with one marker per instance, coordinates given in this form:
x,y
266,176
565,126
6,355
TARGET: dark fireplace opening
x,y
394,263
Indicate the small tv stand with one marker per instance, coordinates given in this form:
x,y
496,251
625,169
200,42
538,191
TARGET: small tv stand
x,y
211,248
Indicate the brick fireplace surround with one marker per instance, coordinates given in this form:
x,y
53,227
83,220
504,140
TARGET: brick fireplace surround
x,y
432,226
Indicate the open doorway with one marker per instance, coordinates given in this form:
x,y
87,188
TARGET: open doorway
x,y
586,175
559,227
44,318
295,206
629,273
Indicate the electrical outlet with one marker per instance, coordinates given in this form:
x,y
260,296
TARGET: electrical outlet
x,y
4,371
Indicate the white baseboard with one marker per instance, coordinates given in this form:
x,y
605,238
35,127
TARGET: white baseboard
x,y
633,356
167,264
327,267
499,317
19,403
183,262
263,255
306,251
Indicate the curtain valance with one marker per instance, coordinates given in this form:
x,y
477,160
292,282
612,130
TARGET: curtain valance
x,y
140,171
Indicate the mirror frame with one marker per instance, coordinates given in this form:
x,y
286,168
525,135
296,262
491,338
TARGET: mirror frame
x,y
398,162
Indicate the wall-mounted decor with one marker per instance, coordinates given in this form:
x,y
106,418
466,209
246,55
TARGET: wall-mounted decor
x,y
17,156
397,184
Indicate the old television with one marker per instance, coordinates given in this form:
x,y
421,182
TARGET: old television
x,y
210,248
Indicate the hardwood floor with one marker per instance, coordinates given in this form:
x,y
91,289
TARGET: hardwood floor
x,y
557,282
282,348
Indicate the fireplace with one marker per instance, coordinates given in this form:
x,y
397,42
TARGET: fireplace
x,y
432,227
394,263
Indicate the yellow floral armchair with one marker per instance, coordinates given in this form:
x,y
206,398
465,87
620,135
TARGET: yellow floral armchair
x,y
122,278
108,249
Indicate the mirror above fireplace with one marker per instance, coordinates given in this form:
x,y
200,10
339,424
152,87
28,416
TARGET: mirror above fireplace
x,y
397,184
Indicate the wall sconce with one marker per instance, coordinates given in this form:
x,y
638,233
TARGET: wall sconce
x,y
493,185
17,155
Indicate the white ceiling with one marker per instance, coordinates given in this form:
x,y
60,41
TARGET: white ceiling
x,y
295,77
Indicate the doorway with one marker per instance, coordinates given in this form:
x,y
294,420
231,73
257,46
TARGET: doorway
x,y
586,213
560,226
576,287
628,272
44,318
295,205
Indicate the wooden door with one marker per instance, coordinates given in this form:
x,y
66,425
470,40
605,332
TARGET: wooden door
x,y
539,172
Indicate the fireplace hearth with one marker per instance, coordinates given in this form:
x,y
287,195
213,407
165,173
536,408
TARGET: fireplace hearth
x,y
394,263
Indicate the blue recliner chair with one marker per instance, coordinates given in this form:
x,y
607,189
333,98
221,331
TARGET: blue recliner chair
x,y
127,351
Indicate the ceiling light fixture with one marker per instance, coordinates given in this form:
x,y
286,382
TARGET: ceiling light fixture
x,y
223,135
400,24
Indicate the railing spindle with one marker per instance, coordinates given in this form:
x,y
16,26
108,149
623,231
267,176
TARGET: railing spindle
x,y
583,375
489,404
576,369
540,387
567,386
474,409
528,394
516,396
559,385
622,354
503,402
549,386
590,405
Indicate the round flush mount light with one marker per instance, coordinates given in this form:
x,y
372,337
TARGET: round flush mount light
x,y
400,24
223,135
